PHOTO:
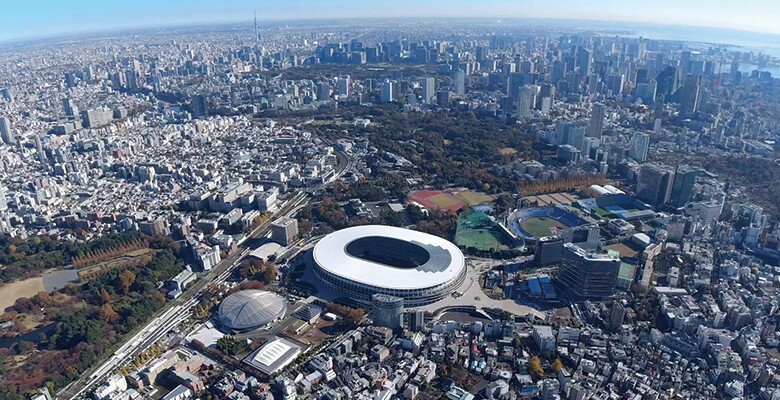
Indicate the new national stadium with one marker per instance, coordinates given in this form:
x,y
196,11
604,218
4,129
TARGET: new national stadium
x,y
536,222
361,261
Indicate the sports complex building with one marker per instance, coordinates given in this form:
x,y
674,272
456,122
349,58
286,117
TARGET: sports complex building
x,y
618,205
361,261
533,223
247,310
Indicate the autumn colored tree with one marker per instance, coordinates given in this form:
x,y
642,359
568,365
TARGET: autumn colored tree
x,y
355,316
269,274
43,298
105,296
251,285
126,280
557,365
535,367
107,312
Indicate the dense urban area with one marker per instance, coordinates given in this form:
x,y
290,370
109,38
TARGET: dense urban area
x,y
380,210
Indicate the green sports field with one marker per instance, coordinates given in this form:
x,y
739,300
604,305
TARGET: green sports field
x,y
476,230
539,226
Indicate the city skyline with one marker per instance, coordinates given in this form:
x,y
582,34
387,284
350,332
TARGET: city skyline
x,y
388,202
46,18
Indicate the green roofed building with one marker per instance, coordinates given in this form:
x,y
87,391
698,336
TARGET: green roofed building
x,y
626,276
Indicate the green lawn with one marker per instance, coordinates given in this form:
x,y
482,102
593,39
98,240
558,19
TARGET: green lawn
x,y
539,226
475,229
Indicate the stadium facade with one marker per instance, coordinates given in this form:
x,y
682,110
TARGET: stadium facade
x,y
362,261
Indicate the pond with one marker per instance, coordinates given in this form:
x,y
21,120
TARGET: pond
x,y
32,336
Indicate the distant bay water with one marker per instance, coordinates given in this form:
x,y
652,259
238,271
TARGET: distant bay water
x,y
746,41
697,37
732,39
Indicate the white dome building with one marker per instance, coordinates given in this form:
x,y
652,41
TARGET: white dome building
x,y
251,309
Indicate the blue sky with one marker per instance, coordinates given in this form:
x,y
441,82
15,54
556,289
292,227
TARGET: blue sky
x,y
37,18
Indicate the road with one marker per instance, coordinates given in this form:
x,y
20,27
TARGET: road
x,y
177,312
181,309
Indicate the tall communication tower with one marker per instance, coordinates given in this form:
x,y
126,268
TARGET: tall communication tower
x,y
257,33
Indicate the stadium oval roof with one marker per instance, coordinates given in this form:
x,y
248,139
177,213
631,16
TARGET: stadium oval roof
x,y
250,309
390,257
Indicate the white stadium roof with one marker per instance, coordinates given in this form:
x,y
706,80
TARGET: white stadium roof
x,y
445,262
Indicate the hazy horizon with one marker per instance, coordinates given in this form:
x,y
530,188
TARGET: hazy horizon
x,y
42,19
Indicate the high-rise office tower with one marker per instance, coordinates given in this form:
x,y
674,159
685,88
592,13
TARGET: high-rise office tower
x,y
428,89
545,91
615,83
89,73
70,79
71,111
200,106
682,188
689,99
323,91
597,115
654,185
558,70
562,129
615,154
132,79
388,90
685,62
590,147
443,98
526,101
617,316
117,79
6,133
527,67
588,274
646,91
697,67
3,201
481,53
642,75
576,136
39,148
734,71
584,61
344,84
460,83
640,146
549,250
667,81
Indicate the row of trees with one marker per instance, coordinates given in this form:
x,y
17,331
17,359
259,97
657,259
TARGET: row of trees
x,y
24,258
102,255
351,315
106,309
562,184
